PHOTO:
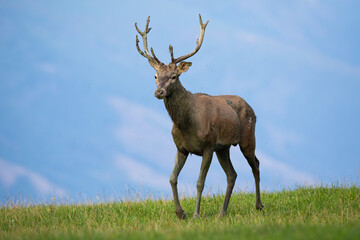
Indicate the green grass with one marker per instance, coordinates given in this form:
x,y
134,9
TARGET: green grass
x,y
305,213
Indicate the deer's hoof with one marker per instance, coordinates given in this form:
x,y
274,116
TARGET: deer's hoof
x,y
181,214
196,216
259,206
222,214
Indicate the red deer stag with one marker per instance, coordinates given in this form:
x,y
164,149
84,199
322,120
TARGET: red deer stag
x,y
203,124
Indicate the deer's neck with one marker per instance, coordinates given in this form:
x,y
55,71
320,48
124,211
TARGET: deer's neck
x,y
180,105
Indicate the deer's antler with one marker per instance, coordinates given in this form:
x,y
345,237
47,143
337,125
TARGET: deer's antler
x,y
153,58
198,44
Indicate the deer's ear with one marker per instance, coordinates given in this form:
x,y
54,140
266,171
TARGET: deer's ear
x,y
183,67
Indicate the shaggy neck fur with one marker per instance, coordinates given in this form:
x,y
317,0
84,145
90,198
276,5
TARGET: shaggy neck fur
x,y
179,105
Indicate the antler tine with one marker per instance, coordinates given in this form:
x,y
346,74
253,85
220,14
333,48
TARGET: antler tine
x,y
198,43
171,53
156,59
138,48
143,34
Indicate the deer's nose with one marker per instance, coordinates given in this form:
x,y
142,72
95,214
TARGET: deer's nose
x,y
160,93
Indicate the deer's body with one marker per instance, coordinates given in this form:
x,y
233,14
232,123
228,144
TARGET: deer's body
x,y
203,124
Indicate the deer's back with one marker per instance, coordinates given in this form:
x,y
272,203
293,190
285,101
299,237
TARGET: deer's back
x,y
224,107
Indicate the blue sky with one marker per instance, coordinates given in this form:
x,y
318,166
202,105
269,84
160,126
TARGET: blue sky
x,y
78,116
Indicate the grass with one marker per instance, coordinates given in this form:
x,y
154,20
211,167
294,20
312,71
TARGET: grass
x,y
305,213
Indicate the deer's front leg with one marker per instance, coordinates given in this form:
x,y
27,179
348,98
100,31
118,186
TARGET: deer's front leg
x,y
205,164
180,160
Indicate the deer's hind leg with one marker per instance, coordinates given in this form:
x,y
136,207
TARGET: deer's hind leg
x,y
249,153
225,162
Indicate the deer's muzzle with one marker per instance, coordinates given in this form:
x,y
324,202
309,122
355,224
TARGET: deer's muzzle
x,y
160,93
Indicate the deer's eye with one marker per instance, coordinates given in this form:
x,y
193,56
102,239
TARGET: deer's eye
x,y
155,77
173,77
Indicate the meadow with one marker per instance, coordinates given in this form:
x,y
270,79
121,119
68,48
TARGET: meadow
x,y
303,213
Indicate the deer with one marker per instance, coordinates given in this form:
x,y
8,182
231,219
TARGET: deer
x,y
202,124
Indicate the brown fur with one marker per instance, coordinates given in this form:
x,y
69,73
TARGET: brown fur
x,y
204,124
202,121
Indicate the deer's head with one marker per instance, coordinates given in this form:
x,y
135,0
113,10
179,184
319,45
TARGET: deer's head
x,y
167,75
